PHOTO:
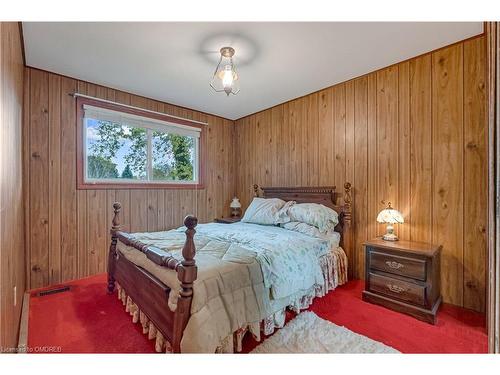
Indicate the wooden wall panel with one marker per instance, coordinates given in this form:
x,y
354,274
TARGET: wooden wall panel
x,y
12,249
39,185
326,131
448,177
404,147
339,121
278,145
475,172
412,134
310,171
387,139
70,204
54,201
295,135
372,156
360,169
420,215
69,228
349,134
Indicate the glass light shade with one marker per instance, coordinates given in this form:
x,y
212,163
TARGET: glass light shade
x,y
390,215
225,78
235,203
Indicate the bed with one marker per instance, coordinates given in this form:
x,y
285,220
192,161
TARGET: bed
x,y
209,303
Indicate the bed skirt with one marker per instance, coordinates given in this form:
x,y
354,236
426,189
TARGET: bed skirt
x,y
333,266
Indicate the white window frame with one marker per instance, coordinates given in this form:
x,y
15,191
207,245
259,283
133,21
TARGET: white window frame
x,y
150,125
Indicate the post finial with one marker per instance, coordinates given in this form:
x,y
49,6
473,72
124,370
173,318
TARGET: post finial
x,y
190,221
347,238
117,206
256,189
347,195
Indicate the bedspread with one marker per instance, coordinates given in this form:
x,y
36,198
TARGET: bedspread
x,y
246,272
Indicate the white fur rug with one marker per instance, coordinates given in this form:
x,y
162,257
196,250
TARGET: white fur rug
x,y
308,333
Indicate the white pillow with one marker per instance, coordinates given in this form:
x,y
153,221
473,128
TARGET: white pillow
x,y
331,236
266,211
322,217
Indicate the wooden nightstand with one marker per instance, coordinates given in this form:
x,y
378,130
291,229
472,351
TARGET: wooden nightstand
x,y
403,276
228,220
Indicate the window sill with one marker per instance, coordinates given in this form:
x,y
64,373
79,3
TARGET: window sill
x,y
126,186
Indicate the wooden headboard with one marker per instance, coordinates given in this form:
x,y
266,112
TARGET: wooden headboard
x,y
325,195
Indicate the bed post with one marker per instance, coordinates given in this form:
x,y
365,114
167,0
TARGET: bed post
x,y
186,273
256,190
115,227
347,229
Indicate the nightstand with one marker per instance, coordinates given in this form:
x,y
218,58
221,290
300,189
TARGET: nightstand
x,y
228,220
403,276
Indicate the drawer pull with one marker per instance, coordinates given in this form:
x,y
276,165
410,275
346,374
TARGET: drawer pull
x,y
394,265
395,288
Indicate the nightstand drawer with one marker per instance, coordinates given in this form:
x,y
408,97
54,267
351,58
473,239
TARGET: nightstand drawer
x,y
399,289
408,267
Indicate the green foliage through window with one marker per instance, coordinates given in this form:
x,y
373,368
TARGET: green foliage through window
x,y
127,172
99,167
119,151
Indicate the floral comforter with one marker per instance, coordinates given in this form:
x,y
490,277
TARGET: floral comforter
x,y
246,272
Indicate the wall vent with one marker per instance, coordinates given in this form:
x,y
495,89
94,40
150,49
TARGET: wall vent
x,y
53,291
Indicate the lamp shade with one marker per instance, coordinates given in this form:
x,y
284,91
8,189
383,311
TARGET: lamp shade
x,y
390,215
225,78
235,203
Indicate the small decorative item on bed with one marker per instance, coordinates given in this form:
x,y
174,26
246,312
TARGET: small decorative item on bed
x,y
197,306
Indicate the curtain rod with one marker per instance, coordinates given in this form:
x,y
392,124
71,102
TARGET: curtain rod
x,y
75,95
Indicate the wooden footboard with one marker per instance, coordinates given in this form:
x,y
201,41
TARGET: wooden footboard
x,y
150,294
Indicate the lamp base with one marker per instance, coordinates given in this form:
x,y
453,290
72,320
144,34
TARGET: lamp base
x,y
390,237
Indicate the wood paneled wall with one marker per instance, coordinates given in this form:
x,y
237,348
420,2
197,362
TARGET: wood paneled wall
x,y
12,252
68,229
413,134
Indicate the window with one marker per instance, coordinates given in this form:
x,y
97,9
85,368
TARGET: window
x,y
124,146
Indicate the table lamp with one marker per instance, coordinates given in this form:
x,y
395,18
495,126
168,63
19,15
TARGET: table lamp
x,y
390,216
235,207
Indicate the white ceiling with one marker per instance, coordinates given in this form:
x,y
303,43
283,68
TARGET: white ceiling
x,y
276,62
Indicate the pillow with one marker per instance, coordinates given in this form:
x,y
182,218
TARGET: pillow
x,y
322,217
266,211
331,236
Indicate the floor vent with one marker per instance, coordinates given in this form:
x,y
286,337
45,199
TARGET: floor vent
x,y
53,291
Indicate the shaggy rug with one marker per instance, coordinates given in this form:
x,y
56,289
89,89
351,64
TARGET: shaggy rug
x,y
308,333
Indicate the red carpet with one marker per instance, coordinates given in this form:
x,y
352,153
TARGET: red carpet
x,y
87,320
84,320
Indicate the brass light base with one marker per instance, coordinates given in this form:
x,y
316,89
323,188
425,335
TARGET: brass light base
x,y
227,51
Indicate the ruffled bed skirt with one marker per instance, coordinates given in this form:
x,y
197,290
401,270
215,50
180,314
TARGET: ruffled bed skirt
x,y
333,266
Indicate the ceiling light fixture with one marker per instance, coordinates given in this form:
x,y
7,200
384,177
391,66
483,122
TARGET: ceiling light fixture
x,y
225,78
